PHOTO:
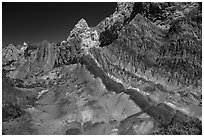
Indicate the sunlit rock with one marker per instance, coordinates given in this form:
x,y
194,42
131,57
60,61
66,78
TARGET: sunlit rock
x,y
137,72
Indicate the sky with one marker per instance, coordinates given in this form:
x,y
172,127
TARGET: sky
x,y
53,21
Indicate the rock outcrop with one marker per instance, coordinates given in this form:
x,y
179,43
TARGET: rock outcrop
x,y
136,72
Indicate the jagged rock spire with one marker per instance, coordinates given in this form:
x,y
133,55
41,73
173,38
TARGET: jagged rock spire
x,y
82,24
80,27
88,36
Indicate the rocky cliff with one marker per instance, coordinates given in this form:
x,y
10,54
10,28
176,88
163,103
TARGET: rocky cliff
x,y
137,72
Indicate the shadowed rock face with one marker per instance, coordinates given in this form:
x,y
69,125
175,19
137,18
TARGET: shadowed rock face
x,y
73,132
138,68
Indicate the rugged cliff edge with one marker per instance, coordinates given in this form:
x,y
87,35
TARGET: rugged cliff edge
x,y
136,72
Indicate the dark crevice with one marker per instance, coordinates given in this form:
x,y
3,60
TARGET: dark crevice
x,y
137,8
109,35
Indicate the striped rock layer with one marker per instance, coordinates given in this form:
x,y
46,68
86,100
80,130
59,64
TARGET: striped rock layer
x,y
156,69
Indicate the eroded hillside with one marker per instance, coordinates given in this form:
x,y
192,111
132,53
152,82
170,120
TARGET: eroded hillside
x,y
137,72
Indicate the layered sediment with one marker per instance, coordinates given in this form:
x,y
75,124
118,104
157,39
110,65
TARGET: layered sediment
x,y
133,73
